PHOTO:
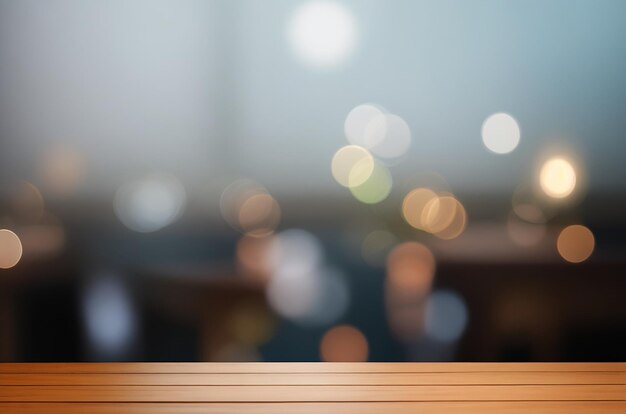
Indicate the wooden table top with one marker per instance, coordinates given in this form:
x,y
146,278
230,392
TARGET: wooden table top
x,y
465,388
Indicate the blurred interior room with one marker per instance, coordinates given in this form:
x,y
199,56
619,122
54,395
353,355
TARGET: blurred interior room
x,y
317,180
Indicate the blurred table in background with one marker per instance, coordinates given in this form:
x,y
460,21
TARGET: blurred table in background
x,y
313,388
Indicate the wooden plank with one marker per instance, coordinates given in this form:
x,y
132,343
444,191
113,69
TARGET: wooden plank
x,y
559,407
422,378
305,367
304,393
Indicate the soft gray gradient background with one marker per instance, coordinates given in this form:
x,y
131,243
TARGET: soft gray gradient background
x,y
209,89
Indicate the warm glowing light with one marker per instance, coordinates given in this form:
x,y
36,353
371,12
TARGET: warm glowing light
x,y
414,204
456,226
410,274
151,203
259,215
575,243
376,188
501,133
352,165
322,33
357,121
411,268
557,178
439,213
10,249
387,136
344,343
446,316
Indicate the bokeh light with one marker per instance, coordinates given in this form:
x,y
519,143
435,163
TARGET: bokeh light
x,y
501,133
376,188
557,178
344,343
317,298
259,215
446,316
352,165
387,136
411,268
575,243
356,123
151,203
414,204
109,316
322,33
233,198
10,249
456,226
444,215
301,287
295,251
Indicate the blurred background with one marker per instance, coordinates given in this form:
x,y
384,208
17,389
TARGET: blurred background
x,y
244,180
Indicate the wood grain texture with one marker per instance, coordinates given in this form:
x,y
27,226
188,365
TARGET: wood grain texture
x,y
519,407
403,378
304,367
313,388
322,393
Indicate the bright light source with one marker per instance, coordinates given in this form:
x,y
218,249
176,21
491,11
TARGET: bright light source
x,y
501,133
575,243
414,204
151,203
10,249
352,165
376,188
356,122
557,178
322,33
439,213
